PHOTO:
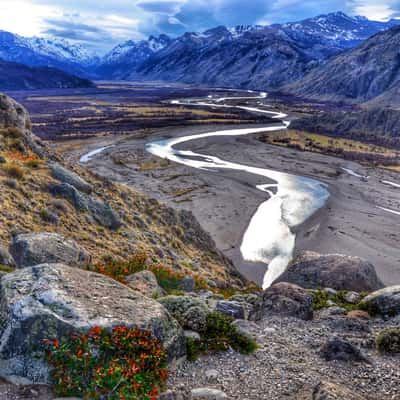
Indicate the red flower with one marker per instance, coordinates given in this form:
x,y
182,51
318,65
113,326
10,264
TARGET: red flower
x,y
56,343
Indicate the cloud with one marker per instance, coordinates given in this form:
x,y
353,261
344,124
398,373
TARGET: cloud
x,y
104,23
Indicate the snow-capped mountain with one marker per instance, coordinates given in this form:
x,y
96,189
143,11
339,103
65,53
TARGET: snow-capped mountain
x,y
72,58
130,55
346,31
255,56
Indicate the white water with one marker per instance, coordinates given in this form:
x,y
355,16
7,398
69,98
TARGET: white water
x,y
269,237
389,210
396,185
353,173
88,156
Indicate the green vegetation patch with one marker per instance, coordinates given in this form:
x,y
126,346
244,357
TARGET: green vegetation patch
x,y
321,300
125,363
220,335
388,341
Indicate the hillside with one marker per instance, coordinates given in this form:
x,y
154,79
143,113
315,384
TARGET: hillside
x,y
363,74
15,76
107,221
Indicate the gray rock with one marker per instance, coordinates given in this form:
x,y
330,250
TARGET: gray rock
x,y
352,297
384,302
52,300
312,271
188,284
75,197
66,176
192,335
246,328
101,211
212,375
283,299
104,214
333,391
207,394
231,309
44,247
146,283
341,350
190,312
5,257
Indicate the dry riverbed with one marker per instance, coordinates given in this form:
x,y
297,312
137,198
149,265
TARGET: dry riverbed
x,y
224,201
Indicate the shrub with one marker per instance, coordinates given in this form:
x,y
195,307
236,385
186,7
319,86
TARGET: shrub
x,y
167,278
14,171
321,297
388,341
220,335
125,363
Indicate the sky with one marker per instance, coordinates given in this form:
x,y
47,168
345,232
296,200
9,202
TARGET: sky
x,y
101,24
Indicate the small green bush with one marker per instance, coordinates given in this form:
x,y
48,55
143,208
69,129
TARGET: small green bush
x,y
320,300
220,335
125,363
388,341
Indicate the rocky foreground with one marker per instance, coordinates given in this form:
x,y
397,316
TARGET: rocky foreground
x,y
330,343
329,329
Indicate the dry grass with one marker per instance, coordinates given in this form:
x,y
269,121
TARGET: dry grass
x,y
341,147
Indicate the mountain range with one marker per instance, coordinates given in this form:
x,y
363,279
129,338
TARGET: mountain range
x,y
257,57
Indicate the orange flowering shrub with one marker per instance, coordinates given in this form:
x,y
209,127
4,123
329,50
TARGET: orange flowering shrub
x,y
124,364
22,157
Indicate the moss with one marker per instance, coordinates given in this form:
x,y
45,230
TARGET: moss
x,y
321,298
220,335
6,268
388,341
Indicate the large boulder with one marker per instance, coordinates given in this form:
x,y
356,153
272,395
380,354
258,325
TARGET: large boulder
x,y
190,312
341,350
44,247
312,270
384,302
52,300
333,391
66,176
284,299
146,283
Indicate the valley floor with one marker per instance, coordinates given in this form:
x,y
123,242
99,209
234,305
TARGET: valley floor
x,y
224,202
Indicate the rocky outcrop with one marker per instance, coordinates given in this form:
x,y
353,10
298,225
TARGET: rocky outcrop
x,y
50,300
190,312
36,248
312,270
341,350
384,302
332,391
65,175
146,283
284,299
100,211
